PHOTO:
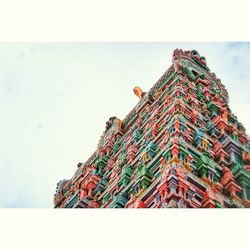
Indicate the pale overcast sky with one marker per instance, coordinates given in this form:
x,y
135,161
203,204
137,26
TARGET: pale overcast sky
x,y
55,99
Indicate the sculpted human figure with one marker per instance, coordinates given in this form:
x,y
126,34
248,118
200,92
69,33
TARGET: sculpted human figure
x,y
177,125
139,121
176,140
63,203
93,204
242,135
114,175
217,196
165,174
194,115
234,129
175,149
176,62
168,100
189,159
163,161
101,152
212,193
216,100
216,146
155,129
246,159
204,108
183,184
187,132
193,101
206,93
76,186
180,172
110,163
227,176
165,139
148,126
135,202
84,190
178,89
180,106
132,150
156,110
224,113
204,143
131,201
209,194
158,94
148,109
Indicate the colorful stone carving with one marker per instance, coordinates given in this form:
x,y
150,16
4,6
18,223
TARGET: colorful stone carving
x,y
181,146
138,92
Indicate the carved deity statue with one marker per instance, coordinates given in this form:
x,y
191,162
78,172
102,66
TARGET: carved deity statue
x,y
180,172
246,157
224,113
234,129
217,146
227,176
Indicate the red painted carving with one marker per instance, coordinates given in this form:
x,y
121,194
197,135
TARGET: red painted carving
x,y
135,202
227,176
246,159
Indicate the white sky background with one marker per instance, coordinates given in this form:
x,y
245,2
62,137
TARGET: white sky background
x,y
55,99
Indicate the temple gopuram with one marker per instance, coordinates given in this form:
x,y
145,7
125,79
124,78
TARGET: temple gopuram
x,y
180,147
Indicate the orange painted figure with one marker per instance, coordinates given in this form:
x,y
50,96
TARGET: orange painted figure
x,y
138,92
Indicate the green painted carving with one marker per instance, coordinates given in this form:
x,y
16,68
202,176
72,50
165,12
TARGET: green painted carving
x,y
189,72
102,164
120,200
213,108
218,205
106,197
127,172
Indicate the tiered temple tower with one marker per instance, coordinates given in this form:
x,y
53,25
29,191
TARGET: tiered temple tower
x,y
181,146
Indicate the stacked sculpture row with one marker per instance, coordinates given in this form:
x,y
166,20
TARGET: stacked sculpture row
x,y
181,146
